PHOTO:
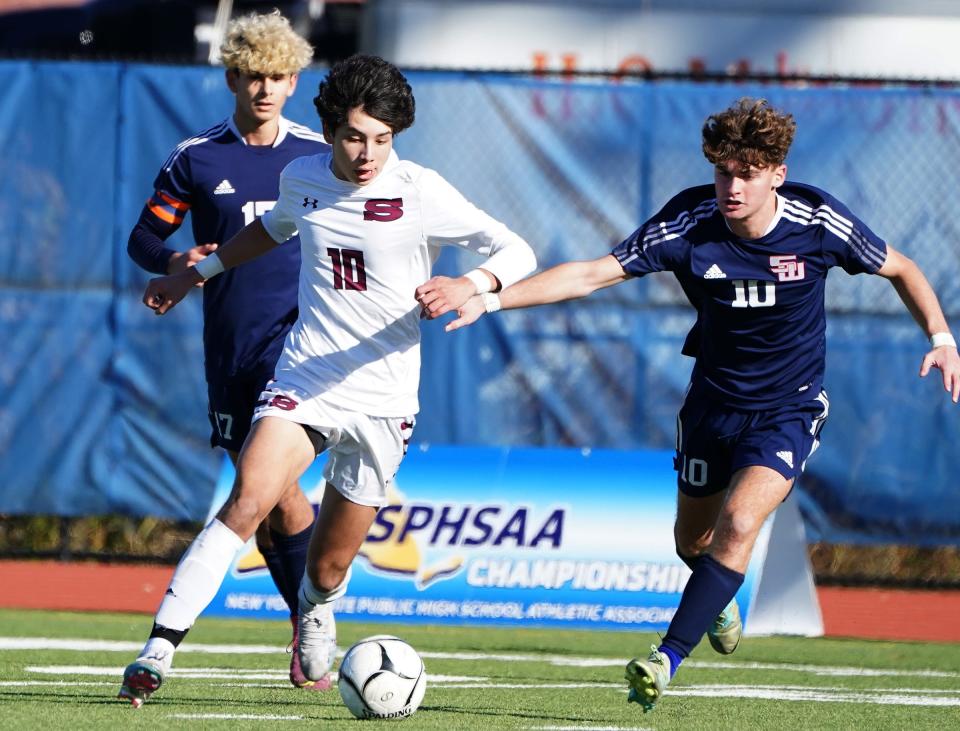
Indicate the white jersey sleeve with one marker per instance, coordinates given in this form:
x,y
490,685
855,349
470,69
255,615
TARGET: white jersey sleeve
x,y
280,222
450,219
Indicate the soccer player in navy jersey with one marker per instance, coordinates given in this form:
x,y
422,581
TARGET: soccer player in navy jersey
x,y
752,252
226,177
370,226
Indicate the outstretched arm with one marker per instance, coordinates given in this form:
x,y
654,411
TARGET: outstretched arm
x,y
922,303
571,280
163,293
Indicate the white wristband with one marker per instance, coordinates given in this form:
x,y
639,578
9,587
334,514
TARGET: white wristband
x,y
939,339
480,279
491,302
210,266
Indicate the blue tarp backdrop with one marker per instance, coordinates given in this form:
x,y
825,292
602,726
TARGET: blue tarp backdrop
x,y
104,406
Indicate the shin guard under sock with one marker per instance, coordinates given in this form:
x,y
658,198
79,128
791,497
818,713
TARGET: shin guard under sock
x,y
709,590
291,555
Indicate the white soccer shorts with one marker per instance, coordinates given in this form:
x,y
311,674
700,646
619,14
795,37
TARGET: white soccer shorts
x,y
363,452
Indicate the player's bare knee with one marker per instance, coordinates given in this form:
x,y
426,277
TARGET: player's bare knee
x,y
737,530
327,575
243,514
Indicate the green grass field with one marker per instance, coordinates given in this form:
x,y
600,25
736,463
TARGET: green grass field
x,y
232,674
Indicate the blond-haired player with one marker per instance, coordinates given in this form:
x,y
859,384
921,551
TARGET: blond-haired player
x,y
226,177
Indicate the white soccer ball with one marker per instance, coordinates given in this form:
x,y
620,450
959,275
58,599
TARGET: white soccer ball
x,y
382,677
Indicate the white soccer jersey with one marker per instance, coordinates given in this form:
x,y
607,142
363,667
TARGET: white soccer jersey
x,y
364,250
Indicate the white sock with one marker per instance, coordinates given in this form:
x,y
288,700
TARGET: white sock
x,y
158,648
310,596
198,576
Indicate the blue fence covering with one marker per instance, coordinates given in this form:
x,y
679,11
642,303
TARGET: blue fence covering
x,y
104,406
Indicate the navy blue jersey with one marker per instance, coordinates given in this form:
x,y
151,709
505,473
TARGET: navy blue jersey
x,y
761,314
225,184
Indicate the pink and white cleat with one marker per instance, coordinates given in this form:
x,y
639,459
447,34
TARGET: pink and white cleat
x,y
297,677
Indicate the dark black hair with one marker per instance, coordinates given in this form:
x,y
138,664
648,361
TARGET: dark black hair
x,y
371,83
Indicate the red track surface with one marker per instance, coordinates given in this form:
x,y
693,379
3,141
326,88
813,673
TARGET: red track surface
x,y
930,616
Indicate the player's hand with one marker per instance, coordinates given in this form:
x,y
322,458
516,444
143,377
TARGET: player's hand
x,y
163,293
946,359
469,313
440,295
183,260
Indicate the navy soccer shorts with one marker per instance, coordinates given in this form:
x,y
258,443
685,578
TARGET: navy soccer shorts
x,y
231,401
714,441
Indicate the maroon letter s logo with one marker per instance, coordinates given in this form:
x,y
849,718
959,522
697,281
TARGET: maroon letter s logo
x,y
383,209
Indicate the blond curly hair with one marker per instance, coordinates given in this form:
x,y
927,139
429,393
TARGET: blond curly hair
x,y
264,44
750,131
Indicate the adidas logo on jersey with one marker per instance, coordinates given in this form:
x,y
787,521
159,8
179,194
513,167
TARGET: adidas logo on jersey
x,y
714,272
224,188
787,457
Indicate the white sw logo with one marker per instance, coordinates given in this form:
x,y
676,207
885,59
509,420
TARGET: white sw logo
x,y
787,457
787,268
714,272
224,188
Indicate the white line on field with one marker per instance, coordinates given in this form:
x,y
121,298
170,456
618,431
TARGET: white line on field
x,y
590,728
820,669
500,686
830,689
213,673
41,643
24,683
892,697
874,696
234,717
44,643
193,673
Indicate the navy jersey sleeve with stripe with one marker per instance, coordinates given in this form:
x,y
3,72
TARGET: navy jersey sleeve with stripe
x,y
847,241
225,185
173,191
162,215
661,244
761,320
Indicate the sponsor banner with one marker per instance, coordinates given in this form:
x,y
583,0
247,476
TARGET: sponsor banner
x,y
547,537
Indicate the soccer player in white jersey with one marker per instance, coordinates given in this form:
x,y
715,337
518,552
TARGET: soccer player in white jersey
x,y
224,177
752,252
370,225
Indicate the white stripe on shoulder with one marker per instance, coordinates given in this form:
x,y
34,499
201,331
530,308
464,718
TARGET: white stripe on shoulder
x,y
665,231
824,211
208,134
841,227
869,253
305,133
822,215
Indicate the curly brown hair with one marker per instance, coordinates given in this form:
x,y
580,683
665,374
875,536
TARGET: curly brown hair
x,y
751,132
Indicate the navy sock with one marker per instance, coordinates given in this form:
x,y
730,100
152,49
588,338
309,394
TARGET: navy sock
x,y
710,589
292,554
277,572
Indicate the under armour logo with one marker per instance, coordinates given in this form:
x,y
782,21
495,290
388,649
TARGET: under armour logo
x,y
310,202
